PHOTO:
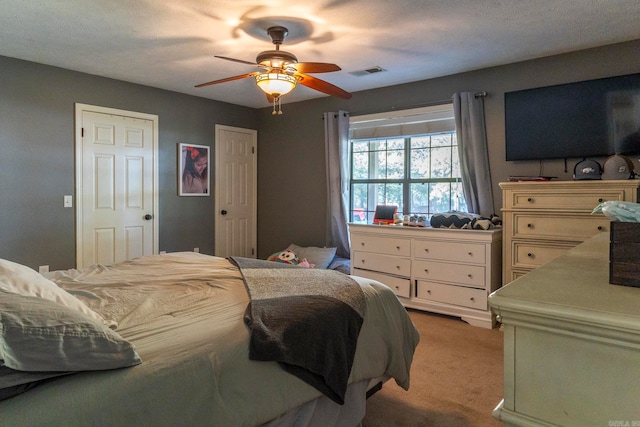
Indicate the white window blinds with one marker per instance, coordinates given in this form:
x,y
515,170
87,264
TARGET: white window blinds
x,y
416,121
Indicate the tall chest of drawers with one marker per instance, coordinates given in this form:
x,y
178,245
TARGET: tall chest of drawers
x,y
543,220
440,270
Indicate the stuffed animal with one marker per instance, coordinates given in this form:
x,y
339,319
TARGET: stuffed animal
x,y
286,257
306,264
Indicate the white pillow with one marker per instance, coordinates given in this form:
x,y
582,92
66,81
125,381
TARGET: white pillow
x,y
37,334
20,279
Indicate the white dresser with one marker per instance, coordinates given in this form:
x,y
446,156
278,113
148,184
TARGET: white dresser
x,y
571,344
440,270
543,220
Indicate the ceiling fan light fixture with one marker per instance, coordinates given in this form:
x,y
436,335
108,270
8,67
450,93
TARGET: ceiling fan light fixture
x,y
276,84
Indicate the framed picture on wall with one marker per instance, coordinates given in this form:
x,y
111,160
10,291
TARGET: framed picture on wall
x,y
193,170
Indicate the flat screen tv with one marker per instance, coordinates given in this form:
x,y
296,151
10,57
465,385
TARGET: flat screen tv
x,y
594,118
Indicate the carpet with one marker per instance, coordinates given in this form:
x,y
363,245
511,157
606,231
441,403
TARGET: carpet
x,y
456,378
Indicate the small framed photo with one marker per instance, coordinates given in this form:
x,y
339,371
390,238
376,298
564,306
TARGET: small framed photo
x,y
193,170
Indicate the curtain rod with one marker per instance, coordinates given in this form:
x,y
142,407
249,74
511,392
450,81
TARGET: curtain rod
x,y
408,107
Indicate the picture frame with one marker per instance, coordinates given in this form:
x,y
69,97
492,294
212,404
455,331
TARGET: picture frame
x,y
385,214
193,170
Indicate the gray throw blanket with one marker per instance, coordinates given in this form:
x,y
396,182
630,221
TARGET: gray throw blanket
x,y
308,320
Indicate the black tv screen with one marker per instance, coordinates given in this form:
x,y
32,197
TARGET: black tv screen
x,y
595,118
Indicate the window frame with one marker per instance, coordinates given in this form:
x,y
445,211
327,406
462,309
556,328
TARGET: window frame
x,y
455,195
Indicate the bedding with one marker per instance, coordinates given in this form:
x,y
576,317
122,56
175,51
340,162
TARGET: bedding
x,y
183,314
286,304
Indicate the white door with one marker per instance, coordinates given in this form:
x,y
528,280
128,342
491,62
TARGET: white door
x,y
235,193
116,174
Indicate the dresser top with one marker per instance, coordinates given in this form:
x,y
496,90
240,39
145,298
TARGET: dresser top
x,y
596,183
403,230
574,287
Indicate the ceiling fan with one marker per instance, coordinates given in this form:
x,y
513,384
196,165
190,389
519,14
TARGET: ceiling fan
x,y
281,71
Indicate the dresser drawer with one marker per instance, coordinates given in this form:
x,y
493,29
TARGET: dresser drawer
x,y
558,226
449,251
564,199
382,245
382,263
460,274
532,255
450,294
400,286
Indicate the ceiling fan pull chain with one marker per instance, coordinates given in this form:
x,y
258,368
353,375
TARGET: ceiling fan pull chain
x,y
279,105
274,112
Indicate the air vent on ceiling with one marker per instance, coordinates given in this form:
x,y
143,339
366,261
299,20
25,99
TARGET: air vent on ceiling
x,y
368,71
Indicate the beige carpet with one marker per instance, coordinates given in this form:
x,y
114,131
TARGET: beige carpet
x,y
456,378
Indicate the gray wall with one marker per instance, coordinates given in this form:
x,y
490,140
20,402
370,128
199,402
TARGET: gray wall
x,y
37,158
292,188
37,146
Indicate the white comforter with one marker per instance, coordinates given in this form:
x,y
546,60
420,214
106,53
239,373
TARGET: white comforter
x,y
184,314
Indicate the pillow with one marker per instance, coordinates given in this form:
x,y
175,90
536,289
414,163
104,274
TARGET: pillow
x,y
37,334
13,383
343,265
321,257
20,279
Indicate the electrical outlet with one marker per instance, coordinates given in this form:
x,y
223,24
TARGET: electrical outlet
x,y
68,201
163,252
43,269
196,249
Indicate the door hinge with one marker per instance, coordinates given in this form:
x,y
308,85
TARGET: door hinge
x,y
253,150
82,133
253,251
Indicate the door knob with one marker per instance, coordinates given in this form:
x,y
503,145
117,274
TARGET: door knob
x,y
223,212
148,217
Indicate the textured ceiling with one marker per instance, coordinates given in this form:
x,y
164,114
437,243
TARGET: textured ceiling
x,y
171,44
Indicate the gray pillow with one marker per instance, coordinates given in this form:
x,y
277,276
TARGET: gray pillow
x,y
321,257
20,279
38,334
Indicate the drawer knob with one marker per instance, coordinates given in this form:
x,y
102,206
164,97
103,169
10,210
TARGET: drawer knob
x,y
530,199
398,267
529,225
362,243
398,287
426,270
600,200
398,247
472,299
470,253
426,249
530,255
362,261
599,228
429,292
469,276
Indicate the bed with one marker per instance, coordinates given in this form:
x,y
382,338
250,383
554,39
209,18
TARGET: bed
x,y
179,326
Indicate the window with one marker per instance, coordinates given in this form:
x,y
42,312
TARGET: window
x,y
417,169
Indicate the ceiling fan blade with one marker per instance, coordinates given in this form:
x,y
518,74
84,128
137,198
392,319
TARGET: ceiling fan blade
x,y
322,86
228,79
235,60
315,67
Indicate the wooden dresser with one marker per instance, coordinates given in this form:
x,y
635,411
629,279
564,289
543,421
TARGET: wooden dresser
x,y
440,270
571,344
542,220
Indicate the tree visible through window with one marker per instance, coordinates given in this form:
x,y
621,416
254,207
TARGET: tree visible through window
x,y
419,173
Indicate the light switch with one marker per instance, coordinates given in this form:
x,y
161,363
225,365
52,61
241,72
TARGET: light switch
x,y
68,201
